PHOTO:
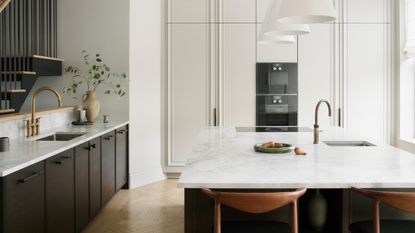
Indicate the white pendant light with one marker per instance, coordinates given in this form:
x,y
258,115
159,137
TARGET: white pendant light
x,y
265,39
307,11
273,27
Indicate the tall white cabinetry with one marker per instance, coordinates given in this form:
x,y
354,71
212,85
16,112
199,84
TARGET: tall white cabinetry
x,y
211,52
366,76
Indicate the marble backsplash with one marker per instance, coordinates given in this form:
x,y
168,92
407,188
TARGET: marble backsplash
x,y
16,128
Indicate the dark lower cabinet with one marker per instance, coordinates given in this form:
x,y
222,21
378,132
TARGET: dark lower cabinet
x,y
121,159
65,192
81,186
24,200
95,177
60,206
108,167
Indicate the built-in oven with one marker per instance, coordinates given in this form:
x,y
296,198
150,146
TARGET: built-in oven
x,y
277,78
277,97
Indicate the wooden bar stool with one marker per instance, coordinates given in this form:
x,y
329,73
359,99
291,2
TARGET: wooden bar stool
x,y
401,200
255,203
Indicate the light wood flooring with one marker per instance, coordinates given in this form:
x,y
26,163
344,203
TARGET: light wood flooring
x,y
155,208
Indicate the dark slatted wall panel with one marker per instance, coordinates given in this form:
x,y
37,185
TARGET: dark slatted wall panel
x,y
27,28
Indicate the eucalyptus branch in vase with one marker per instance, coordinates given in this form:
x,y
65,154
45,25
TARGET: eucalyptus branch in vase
x,y
97,75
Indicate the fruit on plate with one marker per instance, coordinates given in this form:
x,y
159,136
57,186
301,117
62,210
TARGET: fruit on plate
x,y
271,144
278,145
299,151
268,145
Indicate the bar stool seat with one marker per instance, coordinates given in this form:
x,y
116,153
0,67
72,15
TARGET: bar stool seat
x,y
386,226
255,227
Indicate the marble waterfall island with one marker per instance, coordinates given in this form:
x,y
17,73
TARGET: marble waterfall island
x,y
223,158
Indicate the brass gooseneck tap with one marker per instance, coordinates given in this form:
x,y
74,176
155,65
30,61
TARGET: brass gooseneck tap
x,y
33,125
316,126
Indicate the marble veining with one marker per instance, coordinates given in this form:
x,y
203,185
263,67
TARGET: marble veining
x,y
27,151
224,158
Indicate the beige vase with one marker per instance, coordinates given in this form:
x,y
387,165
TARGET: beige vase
x,y
91,105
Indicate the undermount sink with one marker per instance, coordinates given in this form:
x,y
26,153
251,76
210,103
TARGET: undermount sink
x,y
61,137
349,143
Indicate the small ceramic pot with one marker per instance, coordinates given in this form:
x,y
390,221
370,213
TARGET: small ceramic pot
x,y
91,105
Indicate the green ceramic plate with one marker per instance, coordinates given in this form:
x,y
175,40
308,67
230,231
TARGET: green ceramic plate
x,y
286,148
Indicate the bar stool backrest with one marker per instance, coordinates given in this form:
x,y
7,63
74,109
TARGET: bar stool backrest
x,y
255,203
400,200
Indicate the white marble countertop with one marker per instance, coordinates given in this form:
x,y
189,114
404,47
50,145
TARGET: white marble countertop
x,y
27,151
224,158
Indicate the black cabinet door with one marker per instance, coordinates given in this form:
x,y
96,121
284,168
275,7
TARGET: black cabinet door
x,y
121,157
24,196
60,213
95,177
108,166
81,186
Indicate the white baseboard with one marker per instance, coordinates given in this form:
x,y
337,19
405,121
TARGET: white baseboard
x,y
140,179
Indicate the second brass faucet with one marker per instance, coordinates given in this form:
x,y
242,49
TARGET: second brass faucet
x,y
316,125
33,124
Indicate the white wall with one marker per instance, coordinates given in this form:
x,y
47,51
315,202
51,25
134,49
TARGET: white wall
x,y
145,110
99,26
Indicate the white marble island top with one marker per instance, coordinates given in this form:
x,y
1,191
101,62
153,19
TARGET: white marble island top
x,y
27,151
224,158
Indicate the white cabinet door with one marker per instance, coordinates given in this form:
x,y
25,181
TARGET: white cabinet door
x,y
188,94
367,11
367,79
315,74
237,11
238,74
188,11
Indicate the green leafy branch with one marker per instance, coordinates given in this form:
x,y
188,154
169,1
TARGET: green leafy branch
x,y
98,74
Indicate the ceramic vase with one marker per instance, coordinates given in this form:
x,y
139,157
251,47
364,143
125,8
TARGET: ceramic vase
x,y
317,211
91,105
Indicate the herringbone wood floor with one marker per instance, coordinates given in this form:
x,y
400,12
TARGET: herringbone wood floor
x,y
155,208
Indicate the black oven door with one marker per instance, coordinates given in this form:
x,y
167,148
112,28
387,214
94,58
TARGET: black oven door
x,y
277,78
277,110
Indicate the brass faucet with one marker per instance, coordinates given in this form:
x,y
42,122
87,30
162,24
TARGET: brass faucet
x,y
33,125
316,126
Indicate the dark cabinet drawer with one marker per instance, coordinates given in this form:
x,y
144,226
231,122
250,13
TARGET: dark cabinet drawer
x,y
121,160
24,205
107,167
60,204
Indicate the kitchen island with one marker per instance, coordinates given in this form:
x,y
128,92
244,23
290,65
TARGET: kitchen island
x,y
223,158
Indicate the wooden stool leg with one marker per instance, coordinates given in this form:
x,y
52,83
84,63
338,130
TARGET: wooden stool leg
x,y
376,217
294,217
217,217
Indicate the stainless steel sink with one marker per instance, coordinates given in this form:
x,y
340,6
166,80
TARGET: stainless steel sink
x,y
348,143
61,137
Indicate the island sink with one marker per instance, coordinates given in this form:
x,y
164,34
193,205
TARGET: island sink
x,y
348,143
60,137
